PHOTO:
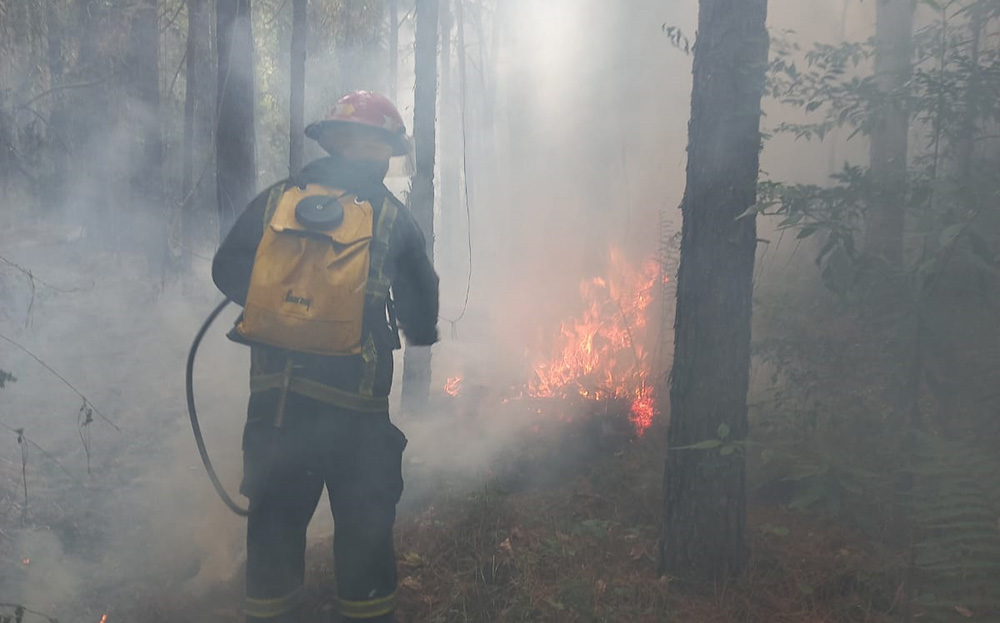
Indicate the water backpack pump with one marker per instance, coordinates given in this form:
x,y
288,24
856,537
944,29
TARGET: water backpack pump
x,y
315,251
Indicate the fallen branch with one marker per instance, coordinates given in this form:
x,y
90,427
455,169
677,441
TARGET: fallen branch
x,y
45,453
20,611
86,401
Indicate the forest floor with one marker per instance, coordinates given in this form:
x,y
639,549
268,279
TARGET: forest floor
x,y
582,547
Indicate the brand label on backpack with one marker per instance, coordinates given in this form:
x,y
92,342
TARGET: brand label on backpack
x,y
307,287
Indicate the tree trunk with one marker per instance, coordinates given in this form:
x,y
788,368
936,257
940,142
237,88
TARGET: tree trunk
x,y
704,509
966,144
417,360
893,64
393,48
89,125
150,217
54,194
234,137
450,146
199,126
296,112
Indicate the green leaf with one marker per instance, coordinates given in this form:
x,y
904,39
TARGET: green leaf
x,y
723,431
807,231
555,604
727,449
951,233
805,501
708,444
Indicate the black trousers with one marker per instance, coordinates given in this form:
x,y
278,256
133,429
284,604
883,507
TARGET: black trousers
x,y
358,458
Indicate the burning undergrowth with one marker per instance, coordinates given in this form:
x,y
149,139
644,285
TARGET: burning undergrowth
x,y
596,361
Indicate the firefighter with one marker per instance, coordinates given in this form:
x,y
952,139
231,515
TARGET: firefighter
x,y
318,412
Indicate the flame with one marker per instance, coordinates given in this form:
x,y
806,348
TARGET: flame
x,y
104,618
599,354
453,385
26,561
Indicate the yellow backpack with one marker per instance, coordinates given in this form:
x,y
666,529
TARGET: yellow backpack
x,y
307,287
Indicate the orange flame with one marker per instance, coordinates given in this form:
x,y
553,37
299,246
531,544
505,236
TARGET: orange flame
x,y
453,385
599,354
104,618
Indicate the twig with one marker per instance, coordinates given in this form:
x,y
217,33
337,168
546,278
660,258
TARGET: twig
x,y
177,73
31,279
44,452
173,18
277,14
87,415
63,379
31,276
62,87
24,471
19,612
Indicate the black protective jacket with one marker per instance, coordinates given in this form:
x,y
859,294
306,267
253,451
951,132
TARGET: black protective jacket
x,y
414,283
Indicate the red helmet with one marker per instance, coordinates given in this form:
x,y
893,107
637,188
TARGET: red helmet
x,y
367,109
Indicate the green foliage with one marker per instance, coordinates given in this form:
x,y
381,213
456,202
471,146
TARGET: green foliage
x,y
830,483
956,508
856,459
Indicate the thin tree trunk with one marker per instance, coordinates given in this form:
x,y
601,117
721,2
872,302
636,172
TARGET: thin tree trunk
x,y
834,138
417,361
704,509
448,145
89,118
893,65
54,194
461,101
234,138
147,174
393,48
965,149
296,113
198,175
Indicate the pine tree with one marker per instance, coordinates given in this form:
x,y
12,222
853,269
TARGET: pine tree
x,y
704,508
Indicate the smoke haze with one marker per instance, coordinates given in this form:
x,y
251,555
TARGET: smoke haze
x,y
586,152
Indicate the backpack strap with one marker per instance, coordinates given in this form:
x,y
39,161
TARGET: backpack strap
x,y
273,198
378,281
377,295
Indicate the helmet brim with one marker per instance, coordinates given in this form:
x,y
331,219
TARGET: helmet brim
x,y
399,142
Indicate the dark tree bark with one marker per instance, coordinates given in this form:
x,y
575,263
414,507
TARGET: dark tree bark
x,y
417,361
198,176
90,125
966,141
144,75
449,143
296,105
54,194
704,509
893,65
149,219
393,48
234,137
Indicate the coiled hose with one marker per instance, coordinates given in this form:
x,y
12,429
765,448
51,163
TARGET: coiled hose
x,y
193,413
